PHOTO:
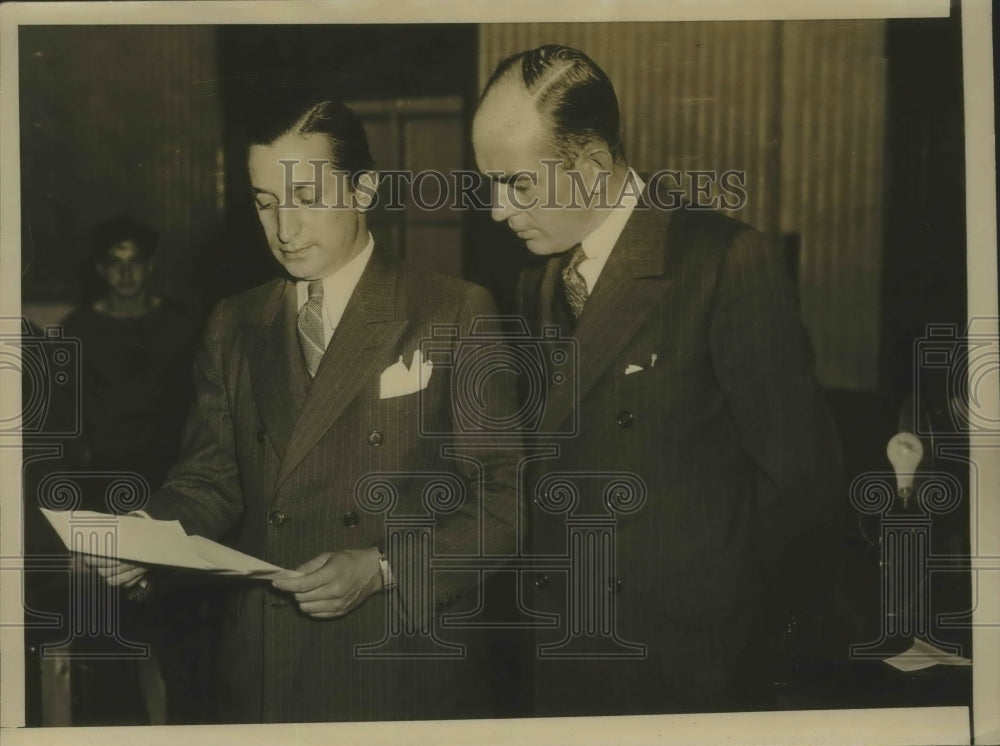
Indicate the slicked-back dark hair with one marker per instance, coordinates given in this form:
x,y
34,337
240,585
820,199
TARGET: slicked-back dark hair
x,y
122,228
349,150
571,92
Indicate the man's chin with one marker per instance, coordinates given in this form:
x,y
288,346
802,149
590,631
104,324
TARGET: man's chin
x,y
540,246
297,268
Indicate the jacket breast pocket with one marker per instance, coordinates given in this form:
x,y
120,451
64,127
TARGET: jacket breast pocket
x,y
402,401
404,409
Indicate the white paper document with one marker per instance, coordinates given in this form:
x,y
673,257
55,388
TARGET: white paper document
x,y
924,655
149,541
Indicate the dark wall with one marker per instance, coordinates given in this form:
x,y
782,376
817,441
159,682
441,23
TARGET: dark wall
x,y
924,277
113,121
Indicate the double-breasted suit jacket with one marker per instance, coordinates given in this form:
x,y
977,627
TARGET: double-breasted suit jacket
x,y
276,461
696,384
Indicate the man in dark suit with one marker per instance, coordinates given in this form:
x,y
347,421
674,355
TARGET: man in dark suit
x,y
697,433
309,387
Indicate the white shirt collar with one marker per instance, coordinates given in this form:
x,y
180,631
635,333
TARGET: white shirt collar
x,y
338,288
598,245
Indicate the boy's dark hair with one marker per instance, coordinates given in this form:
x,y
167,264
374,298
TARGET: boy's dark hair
x,y
115,230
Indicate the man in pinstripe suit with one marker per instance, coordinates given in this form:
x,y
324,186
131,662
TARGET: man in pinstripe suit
x,y
696,387
306,386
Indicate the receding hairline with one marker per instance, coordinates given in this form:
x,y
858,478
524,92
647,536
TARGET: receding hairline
x,y
513,77
511,82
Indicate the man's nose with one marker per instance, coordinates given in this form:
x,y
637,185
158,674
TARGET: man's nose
x,y
501,208
288,223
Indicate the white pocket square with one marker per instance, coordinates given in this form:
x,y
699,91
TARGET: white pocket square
x,y
633,368
398,380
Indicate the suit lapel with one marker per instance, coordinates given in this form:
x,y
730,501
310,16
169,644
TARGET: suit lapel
x,y
628,289
368,330
276,368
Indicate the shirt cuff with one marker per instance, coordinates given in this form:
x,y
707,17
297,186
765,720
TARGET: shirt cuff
x,y
388,579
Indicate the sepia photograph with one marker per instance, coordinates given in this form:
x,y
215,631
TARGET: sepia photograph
x,y
453,375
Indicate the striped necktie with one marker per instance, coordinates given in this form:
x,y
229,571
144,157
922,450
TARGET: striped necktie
x,y
574,286
310,327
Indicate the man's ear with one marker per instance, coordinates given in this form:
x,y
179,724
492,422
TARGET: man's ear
x,y
599,157
595,163
366,190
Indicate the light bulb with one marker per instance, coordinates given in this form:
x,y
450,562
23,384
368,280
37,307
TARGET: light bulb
x,y
905,452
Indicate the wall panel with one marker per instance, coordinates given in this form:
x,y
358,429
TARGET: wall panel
x,y
833,158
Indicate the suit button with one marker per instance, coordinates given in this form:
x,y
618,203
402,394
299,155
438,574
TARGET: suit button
x,y
615,585
351,519
375,438
261,436
625,418
275,518
541,580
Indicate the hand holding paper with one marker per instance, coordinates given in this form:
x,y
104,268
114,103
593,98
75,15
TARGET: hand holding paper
x,y
111,538
332,584
114,571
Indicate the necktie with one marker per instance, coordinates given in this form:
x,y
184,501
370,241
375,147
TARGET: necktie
x,y
310,328
574,286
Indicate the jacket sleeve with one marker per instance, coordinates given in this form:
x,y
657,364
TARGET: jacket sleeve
x,y
763,365
202,491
